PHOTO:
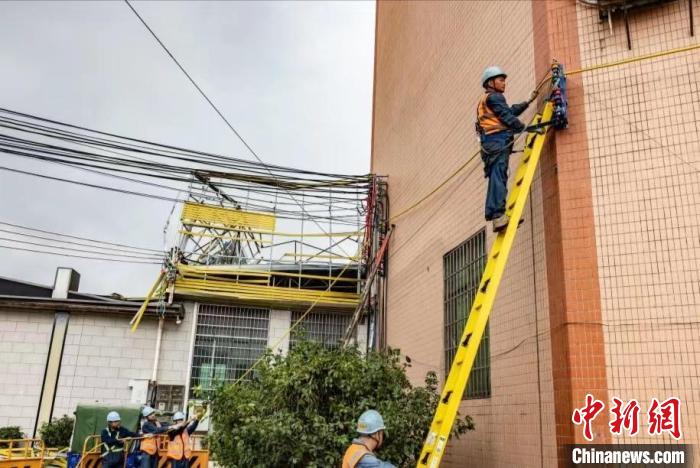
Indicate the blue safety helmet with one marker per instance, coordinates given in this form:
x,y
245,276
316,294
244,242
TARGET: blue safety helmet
x,y
147,411
179,416
491,72
113,416
370,422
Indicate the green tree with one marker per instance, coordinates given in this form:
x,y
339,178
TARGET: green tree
x,y
57,433
301,410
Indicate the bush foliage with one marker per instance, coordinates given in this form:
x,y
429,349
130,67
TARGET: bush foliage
x,y
301,410
57,433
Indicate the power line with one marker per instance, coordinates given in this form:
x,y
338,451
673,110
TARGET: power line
x,y
142,257
245,143
147,147
216,109
62,241
77,256
18,226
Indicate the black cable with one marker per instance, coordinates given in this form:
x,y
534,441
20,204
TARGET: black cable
x,y
18,226
174,149
141,257
61,241
77,256
211,103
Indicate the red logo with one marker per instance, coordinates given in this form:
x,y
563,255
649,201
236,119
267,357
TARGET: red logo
x,y
665,417
625,417
587,414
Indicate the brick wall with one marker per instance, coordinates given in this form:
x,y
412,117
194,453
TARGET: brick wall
x,y
429,57
24,345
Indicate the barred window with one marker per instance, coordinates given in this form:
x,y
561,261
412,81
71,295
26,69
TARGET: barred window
x,y
327,328
228,340
462,268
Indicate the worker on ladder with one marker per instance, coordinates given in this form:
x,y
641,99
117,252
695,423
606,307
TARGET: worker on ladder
x,y
112,441
150,428
496,123
360,454
180,444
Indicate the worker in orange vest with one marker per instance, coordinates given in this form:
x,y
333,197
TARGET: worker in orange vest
x,y
360,454
496,123
180,444
150,429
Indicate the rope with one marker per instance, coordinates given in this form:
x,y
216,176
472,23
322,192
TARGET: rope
x,y
544,80
638,58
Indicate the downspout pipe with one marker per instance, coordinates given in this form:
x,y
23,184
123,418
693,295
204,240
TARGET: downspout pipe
x,y
159,338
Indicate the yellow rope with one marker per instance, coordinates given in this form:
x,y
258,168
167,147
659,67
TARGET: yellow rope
x,y
432,192
638,58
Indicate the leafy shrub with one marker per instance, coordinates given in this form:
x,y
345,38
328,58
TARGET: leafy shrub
x,y
301,410
57,432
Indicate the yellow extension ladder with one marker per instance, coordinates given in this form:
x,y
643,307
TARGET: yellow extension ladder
x,y
434,446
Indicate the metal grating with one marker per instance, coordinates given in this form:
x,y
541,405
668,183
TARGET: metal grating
x,y
462,269
327,328
228,340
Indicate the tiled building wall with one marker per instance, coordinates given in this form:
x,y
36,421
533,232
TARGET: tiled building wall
x,y
644,144
101,356
428,63
24,345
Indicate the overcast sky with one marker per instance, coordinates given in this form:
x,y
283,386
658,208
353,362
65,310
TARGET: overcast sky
x,y
294,78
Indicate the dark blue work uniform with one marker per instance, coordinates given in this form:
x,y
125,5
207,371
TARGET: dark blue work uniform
x,y
113,446
497,122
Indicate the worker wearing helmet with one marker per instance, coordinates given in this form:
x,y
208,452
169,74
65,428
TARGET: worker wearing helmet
x,y
360,454
496,123
180,444
112,438
150,428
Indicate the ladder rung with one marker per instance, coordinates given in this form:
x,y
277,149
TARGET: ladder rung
x,y
486,285
446,399
466,339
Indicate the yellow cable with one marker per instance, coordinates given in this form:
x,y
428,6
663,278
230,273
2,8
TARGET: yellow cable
x,y
432,192
537,88
638,58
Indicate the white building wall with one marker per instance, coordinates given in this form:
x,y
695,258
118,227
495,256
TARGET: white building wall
x,y
24,345
102,357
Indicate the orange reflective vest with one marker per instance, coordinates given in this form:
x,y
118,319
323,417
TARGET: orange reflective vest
x,y
179,446
354,454
486,121
150,445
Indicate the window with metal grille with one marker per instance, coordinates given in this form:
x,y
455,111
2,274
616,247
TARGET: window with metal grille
x,y
327,328
228,340
462,268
